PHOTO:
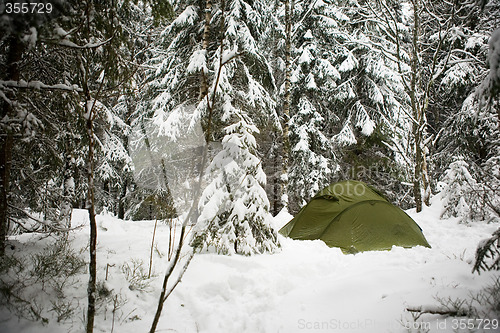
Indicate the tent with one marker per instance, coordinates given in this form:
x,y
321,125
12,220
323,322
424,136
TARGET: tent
x,y
354,217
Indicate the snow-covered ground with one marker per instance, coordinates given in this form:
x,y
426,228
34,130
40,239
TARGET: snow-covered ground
x,y
305,287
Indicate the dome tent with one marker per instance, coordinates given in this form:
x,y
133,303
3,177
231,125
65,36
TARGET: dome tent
x,y
354,217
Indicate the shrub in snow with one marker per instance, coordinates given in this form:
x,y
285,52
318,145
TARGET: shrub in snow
x,y
30,281
136,275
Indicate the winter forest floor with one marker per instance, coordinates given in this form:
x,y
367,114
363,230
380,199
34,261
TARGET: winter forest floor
x,y
305,287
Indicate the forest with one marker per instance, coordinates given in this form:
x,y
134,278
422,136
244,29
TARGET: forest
x,y
212,117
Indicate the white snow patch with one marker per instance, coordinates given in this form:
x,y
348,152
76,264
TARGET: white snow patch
x,y
306,287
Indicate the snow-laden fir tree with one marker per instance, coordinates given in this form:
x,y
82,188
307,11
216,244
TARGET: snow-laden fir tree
x,y
313,77
457,192
234,208
216,65
339,68
470,120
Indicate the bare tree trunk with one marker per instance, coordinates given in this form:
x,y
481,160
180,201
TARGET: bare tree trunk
x,y
286,105
164,291
93,230
6,144
276,184
90,205
426,181
416,110
7,141
122,198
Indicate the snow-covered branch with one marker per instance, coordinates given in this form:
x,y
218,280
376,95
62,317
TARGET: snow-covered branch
x,y
70,44
38,85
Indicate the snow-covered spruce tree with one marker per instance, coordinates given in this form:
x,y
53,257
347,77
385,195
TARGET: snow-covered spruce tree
x,y
458,191
488,254
373,142
234,209
339,69
138,22
307,79
216,65
54,140
409,25
234,206
473,131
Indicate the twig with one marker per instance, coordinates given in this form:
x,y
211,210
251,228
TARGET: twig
x,y
151,253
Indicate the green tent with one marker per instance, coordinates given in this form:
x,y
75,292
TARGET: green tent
x,y
354,217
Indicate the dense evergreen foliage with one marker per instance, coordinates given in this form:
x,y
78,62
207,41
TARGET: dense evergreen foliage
x,y
402,95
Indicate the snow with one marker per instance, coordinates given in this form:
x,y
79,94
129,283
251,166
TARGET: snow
x,y
187,17
349,63
308,35
345,136
197,62
305,287
31,38
306,57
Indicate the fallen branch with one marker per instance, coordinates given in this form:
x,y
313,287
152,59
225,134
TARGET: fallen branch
x,y
437,310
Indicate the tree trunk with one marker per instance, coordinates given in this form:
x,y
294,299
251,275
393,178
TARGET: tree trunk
x,y
276,185
416,111
6,144
164,293
286,104
7,141
93,225
204,45
426,180
121,202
